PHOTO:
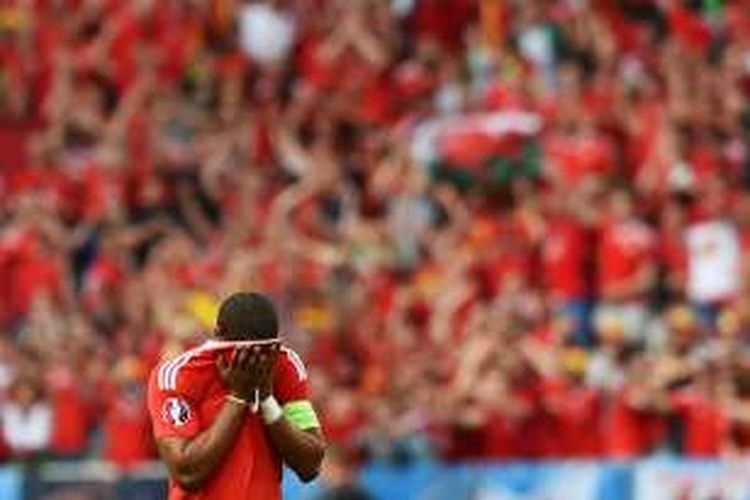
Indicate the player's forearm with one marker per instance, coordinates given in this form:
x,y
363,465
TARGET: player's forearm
x,y
301,450
193,462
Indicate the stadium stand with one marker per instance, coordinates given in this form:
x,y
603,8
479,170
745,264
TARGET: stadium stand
x,y
499,229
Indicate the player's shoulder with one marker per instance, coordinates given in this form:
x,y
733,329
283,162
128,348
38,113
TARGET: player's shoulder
x,y
290,380
291,363
185,373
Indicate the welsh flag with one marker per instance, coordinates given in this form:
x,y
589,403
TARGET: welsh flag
x,y
483,150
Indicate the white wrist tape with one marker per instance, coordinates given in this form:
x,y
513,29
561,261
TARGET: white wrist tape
x,y
270,410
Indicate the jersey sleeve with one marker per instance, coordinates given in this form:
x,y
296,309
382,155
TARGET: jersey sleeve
x,y
290,382
292,390
173,412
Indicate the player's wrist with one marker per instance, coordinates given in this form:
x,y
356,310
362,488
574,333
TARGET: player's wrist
x,y
270,410
264,392
238,400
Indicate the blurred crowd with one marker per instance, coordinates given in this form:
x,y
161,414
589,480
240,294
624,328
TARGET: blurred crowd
x,y
498,229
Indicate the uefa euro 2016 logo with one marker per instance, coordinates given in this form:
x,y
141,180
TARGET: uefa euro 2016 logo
x,y
176,411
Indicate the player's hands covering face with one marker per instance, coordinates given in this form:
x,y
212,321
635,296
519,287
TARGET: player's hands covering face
x,y
249,369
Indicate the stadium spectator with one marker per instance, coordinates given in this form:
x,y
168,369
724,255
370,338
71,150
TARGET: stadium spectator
x,y
127,428
26,420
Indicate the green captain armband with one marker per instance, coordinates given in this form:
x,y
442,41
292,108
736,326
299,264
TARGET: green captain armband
x,y
301,414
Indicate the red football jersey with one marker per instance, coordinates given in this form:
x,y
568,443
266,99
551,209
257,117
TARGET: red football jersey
x,y
186,393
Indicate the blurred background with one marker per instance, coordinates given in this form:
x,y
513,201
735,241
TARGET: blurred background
x,y
510,237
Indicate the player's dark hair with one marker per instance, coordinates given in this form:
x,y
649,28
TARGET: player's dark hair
x,y
247,316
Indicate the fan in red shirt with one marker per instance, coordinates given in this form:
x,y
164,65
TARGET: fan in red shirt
x,y
626,251
626,264
574,409
706,426
215,446
563,265
634,425
127,440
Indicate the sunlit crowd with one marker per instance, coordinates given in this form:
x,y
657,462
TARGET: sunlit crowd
x,y
497,229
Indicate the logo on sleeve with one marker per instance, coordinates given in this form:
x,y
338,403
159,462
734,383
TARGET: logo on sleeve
x,y
177,411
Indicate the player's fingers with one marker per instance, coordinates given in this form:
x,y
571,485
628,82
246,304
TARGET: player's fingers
x,y
260,362
222,365
265,367
259,354
272,348
236,358
240,358
252,358
272,352
268,368
268,361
